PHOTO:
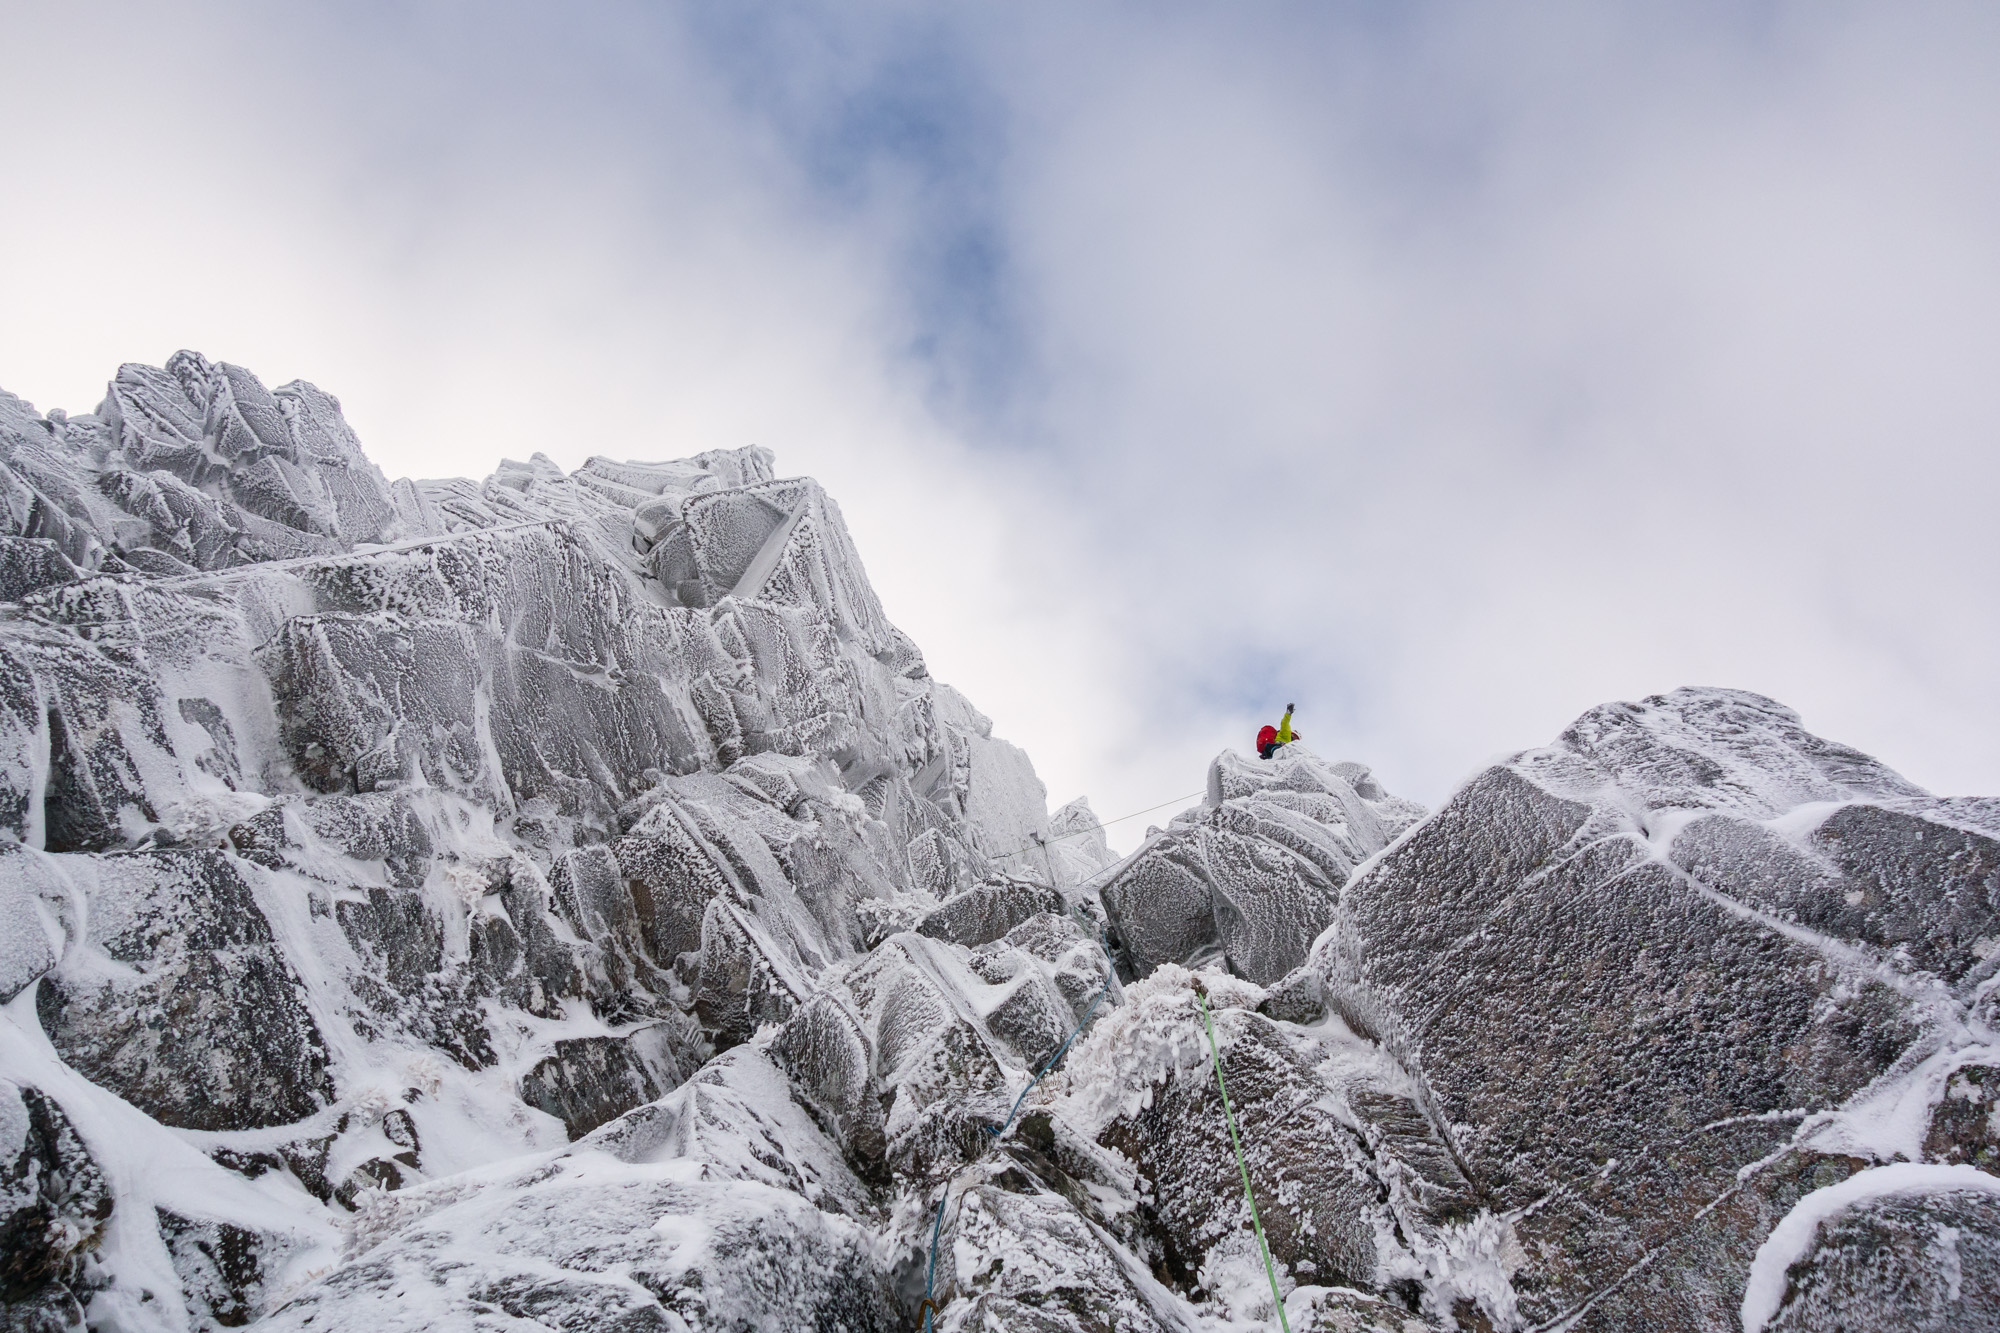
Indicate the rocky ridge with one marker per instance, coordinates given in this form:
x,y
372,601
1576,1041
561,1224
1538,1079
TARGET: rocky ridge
x,y
566,901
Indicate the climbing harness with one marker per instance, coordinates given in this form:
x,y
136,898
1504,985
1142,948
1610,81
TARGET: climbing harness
x,y
1236,1142
929,1306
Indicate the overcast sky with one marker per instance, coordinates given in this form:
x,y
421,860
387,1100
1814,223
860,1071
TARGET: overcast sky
x,y
1446,369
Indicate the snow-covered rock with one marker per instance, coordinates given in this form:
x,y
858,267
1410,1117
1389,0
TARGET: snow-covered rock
x,y
1569,1051
566,901
1664,978
721,1207
1254,874
364,834
1903,1246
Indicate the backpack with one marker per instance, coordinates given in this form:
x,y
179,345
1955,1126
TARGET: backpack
x,y
1266,736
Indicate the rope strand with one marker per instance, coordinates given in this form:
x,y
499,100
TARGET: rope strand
x,y
937,1225
1106,824
1235,1142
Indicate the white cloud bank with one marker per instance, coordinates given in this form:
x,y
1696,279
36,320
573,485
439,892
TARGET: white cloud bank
x,y
1446,370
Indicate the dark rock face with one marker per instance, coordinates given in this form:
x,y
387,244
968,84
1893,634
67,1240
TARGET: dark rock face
x,y
1891,878
1595,1027
1927,1263
54,1205
204,1026
225,1268
587,1081
29,564
1629,976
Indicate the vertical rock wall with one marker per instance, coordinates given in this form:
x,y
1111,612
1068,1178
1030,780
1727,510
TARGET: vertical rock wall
x,y
357,834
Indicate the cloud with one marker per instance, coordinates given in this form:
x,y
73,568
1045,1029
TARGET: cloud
x,y
1471,372
1446,371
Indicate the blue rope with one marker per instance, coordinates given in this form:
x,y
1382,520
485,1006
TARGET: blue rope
x,y
930,1272
1050,1063
937,1225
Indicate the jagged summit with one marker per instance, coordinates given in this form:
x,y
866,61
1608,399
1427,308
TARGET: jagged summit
x,y
566,901
402,826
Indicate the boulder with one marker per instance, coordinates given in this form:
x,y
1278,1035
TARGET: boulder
x,y
983,914
55,1205
1637,976
180,997
1254,875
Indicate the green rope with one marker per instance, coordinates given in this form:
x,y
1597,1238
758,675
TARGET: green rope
x,y
1237,1143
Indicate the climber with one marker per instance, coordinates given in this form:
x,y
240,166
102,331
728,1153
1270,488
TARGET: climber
x,y
1271,738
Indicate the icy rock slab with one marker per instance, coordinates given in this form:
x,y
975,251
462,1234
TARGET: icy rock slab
x,y
1255,874
179,995
1897,879
29,564
722,1207
1917,1251
1643,1026
983,914
1355,1188
586,1081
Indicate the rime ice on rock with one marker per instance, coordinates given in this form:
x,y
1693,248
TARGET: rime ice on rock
x,y
1254,874
566,901
1567,1051
1666,977
377,831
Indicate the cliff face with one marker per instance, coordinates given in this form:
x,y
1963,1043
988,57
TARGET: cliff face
x,y
565,901
356,834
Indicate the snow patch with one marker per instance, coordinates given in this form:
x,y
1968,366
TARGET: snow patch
x,y
1794,1238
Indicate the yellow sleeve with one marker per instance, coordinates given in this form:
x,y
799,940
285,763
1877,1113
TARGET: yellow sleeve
x,y
1285,728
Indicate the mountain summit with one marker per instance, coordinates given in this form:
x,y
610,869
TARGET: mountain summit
x,y
565,901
